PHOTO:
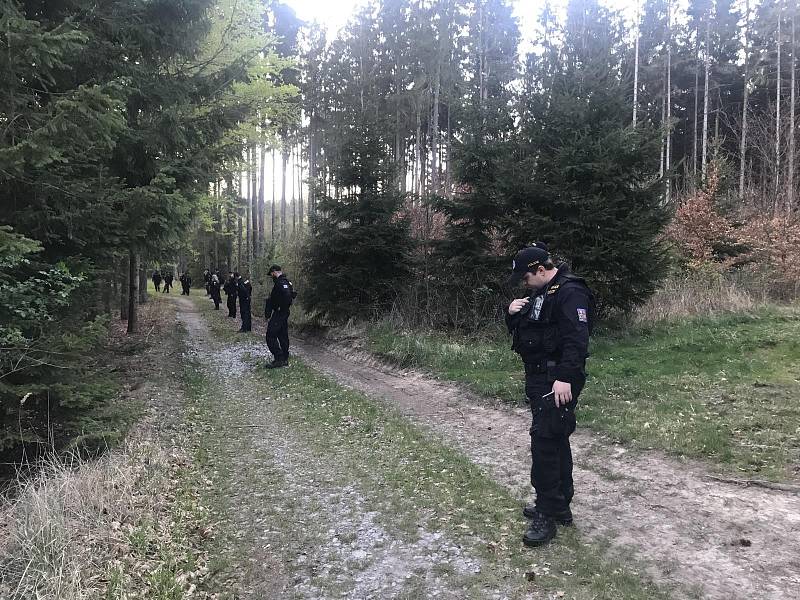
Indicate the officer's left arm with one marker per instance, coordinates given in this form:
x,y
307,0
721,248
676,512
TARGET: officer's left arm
x,y
573,325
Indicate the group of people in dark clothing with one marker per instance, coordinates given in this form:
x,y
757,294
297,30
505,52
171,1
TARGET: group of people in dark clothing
x,y
162,276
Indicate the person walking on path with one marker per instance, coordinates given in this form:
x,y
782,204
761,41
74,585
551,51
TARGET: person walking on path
x,y
157,280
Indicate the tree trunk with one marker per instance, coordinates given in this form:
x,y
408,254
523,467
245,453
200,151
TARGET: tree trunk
x,y
300,208
435,127
142,285
792,131
261,205
254,204
696,101
418,152
133,295
636,68
274,206
284,163
745,100
668,165
707,60
778,112
109,283
124,279
240,199
248,231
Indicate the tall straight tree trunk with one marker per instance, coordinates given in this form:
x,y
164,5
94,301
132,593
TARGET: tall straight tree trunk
x,y
707,57
663,121
300,207
778,111
437,84
248,223
254,203
123,275
284,163
745,101
240,195
273,207
668,165
133,292
418,152
792,111
696,100
142,285
636,68
261,206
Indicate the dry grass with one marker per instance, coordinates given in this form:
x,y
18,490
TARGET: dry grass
x,y
68,525
123,526
700,294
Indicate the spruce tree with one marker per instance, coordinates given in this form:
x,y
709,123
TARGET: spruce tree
x,y
584,180
360,253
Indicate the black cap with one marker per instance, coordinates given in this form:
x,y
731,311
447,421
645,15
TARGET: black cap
x,y
527,259
274,268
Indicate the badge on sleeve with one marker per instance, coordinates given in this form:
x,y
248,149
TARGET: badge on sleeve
x,y
582,316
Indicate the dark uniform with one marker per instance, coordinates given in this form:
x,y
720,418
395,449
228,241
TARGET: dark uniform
x,y
167,283
186,284
157,280
207,281
551,335
276,311
245,291
214,290
231,293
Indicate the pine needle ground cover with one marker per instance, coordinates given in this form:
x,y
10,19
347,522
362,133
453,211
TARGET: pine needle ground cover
x,y
722,388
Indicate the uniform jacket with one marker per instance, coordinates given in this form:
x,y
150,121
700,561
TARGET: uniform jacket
x,y
245,290
553,329
280,298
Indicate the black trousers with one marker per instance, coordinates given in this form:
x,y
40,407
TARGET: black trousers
x,y
278,335
247,318
158,285
231,305
551,454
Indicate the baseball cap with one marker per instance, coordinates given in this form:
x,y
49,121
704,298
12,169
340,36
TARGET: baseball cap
x,y
274,268
527,259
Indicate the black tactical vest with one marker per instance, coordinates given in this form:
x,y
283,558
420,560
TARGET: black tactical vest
x,y
538,340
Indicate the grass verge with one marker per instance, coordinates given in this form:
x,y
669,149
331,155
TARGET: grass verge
x,y
413,481
723,388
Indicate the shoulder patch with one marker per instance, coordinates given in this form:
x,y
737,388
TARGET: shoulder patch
x,y
285,286
583,316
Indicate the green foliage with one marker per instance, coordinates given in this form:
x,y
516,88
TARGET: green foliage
x,y
361,247
722,388
582,178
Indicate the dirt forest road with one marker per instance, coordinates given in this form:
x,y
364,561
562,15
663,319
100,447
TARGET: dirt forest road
x,y
712,539
700,537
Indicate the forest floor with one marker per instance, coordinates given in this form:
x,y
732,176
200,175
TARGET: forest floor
x,y
343,476
449,469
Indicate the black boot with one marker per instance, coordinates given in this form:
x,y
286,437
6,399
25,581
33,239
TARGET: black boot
x,y
564,519
540,530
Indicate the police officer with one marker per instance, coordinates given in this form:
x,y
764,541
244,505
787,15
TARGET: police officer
x,y
244,290
186,283
214,290
550,330
167,282
157,280
231,293
207,281
276,311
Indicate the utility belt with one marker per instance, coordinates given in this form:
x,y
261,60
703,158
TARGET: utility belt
x,y
539,368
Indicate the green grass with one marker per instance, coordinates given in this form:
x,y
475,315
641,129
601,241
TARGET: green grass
x,y
725,388
422,482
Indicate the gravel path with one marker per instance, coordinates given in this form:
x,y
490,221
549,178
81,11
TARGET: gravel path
x,y
715,540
